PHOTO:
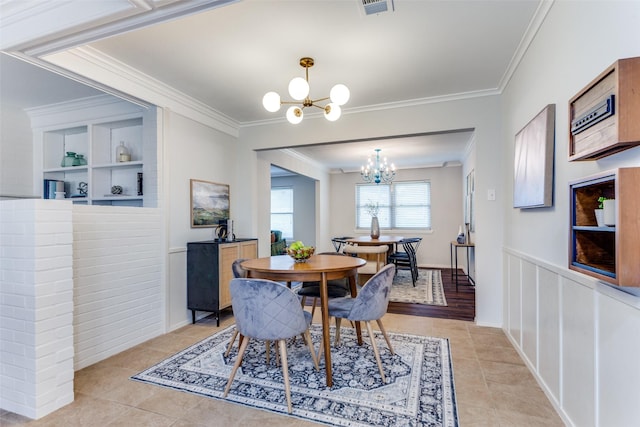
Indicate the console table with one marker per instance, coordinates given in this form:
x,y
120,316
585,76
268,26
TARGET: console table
x,y
454,256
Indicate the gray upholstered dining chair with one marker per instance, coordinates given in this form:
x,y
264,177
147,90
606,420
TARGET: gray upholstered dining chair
x,y
239,273
370,304
269,311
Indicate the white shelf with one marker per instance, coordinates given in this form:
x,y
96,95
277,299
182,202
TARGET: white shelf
x,y
131,164
95,128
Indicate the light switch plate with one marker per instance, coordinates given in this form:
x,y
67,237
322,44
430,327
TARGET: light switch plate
x,y
491,194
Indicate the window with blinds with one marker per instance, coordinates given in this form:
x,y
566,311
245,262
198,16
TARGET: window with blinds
x,y
282,210
401,205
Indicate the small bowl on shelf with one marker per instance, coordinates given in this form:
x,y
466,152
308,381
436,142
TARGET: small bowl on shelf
x,y
301,254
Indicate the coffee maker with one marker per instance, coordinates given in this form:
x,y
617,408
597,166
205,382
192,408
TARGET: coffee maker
x,y
224,231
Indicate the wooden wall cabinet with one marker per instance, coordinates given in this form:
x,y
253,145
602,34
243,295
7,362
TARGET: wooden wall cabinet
x,y
610,254
604,115
209,273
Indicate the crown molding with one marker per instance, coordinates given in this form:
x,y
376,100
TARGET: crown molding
x,y
534,26
95,64
42,27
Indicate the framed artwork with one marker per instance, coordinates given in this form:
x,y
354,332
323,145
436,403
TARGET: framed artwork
x,y
533,165
209,203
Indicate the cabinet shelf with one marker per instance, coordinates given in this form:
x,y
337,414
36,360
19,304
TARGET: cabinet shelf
x,y
132,164
609,254
72,169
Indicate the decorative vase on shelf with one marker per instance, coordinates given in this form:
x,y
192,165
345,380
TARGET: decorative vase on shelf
x,y
461,238
599,217
79,160
67,161
375,227
122,153
609,212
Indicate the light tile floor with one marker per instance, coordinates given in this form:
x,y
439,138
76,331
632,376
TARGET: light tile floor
x,y
493,386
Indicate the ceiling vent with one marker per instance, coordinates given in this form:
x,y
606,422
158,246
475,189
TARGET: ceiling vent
x,y
373,7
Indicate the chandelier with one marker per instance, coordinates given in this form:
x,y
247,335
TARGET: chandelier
x,y
299,90
378,171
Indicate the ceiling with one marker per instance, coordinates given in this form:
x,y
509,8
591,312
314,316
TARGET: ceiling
x,y
421,51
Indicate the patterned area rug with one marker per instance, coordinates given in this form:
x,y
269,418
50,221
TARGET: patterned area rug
x,y
419,389
428,289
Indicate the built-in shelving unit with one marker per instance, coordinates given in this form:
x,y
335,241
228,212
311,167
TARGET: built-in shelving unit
x,y
95,127
609,253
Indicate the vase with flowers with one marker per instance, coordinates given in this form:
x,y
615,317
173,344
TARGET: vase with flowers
x,y
372,210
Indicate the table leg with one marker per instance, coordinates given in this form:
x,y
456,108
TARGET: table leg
x,y
326,338
456,270
354,293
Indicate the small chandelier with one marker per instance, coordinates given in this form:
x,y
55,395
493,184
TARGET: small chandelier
x,y
377,171
299,90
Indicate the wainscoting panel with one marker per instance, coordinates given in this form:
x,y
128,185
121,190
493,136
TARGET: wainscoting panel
x,y
619,351
514,305
578,352
549,329
530,312
579,338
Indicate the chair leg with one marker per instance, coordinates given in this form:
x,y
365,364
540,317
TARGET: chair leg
x,y
337,341
268,351
375,350
231,341
313,307
285,372
386,337
307,337
243,347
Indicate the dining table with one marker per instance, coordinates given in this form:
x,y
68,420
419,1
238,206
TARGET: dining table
x,y
317,268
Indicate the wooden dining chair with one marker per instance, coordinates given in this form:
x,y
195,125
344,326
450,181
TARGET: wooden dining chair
x,y
376,257
407,258
335,288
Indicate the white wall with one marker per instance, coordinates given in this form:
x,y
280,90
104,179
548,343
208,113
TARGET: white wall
x,y
446,213
16,150
193,150
578,336
118,294
36,306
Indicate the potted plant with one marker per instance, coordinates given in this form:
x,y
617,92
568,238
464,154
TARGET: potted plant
x,y
600,212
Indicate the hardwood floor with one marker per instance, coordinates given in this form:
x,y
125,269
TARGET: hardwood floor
x,y
461,305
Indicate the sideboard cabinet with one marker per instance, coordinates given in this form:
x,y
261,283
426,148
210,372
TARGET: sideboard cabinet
x,y
209,273
608,253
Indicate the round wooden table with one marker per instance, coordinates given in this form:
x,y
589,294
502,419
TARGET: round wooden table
x,y
318,268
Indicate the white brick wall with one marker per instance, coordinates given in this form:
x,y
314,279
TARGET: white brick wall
x,y
36,306
117,288
77,284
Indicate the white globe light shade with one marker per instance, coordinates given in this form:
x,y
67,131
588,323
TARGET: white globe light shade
x,y
332,112
298,88
271,102
294,115
339,94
